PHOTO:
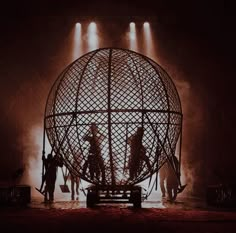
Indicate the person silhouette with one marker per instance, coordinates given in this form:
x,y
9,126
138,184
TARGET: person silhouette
x,y
94,161
137,153
163,176
74,185
172,180
51,163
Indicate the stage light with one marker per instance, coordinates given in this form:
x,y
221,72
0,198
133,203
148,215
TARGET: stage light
x,y
132,36
92,36
132,25
77,42
146,25
148,41
92,26
78,25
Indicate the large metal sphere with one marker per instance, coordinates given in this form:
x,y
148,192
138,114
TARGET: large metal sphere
x,y
120,91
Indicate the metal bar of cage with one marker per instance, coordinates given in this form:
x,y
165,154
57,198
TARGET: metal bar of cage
x,y
109,118
114,111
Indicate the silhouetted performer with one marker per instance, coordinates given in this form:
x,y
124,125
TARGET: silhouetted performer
x,y
172,181
74,178
74,186
51,163
163,176
94,161
137,154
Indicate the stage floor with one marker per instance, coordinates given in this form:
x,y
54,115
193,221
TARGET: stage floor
x,y
185,215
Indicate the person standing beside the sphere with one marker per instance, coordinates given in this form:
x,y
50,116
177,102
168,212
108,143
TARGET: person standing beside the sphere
x,y
163,172
51,163
168,173
74,179
74,185
172,181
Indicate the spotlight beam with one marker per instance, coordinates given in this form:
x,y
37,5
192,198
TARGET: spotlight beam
x,y
132,37
148,41
92,36
77,42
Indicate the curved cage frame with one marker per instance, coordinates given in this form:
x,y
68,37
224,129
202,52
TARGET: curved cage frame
x,y
119,90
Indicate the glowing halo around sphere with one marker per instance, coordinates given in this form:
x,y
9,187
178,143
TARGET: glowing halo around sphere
x,y
119,90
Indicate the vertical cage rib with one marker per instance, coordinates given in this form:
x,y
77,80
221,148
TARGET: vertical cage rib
x,y
109,118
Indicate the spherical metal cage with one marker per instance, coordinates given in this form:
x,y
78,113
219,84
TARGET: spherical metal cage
x,y
117,91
